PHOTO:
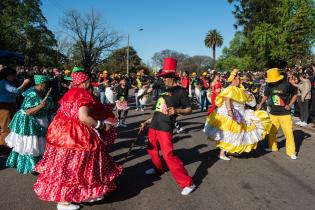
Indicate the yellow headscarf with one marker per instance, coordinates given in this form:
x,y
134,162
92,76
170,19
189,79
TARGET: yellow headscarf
x,y
233,75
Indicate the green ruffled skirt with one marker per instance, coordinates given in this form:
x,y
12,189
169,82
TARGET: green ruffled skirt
x,y
23,163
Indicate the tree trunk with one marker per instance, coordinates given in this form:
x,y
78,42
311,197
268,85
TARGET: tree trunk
x,y
213,55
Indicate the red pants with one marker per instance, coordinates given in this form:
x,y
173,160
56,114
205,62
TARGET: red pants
x,y
175,165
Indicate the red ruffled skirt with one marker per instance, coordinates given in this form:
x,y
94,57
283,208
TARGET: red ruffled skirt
x,y
68,175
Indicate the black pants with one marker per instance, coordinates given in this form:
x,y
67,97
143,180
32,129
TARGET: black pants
x,y
124,114
312,105
304,110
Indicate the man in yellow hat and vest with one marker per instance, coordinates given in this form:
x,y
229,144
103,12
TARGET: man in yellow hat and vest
x,y
283,96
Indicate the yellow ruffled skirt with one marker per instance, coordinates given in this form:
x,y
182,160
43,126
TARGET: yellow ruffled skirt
x,y
234,137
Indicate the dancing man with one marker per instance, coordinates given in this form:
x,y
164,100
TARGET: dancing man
x,y
283,96
172,103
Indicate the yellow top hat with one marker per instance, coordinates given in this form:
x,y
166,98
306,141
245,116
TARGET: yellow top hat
x,y
204,74
273,75
233,75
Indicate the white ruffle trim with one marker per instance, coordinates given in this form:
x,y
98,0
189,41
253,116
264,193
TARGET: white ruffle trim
x,y
242,138
26,145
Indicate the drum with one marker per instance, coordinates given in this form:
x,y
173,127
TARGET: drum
x,y
110,95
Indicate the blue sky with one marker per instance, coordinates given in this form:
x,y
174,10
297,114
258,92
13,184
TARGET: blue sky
x,y
168,24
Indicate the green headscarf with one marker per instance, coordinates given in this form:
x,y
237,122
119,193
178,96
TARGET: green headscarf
x,y
77,69
40,79
68,78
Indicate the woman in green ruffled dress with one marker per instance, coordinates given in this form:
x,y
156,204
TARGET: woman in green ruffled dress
x,y
29,127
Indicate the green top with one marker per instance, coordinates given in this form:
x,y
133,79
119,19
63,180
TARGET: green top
x,y
28,125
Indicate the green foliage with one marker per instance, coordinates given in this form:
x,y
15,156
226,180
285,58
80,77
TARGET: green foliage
x,y
23,29
275,33
117,61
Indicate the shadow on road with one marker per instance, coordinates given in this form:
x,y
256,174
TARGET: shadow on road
x,y
132,181
299,137
2,163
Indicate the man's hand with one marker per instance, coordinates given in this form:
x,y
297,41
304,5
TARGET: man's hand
x,y
287,107
171,111
258,107
142,127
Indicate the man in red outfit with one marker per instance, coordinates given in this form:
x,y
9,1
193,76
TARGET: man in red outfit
x,y
172,103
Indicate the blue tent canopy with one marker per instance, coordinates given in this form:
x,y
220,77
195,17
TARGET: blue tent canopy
x,y
4,54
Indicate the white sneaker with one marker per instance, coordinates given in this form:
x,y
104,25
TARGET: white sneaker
x,y
95,199
298,123
123,125
137,109
180,130
142,110
150,171
67,206
224,158
303,124
188,190
293,157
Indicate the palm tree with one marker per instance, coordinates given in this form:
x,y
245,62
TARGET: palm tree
x,y
213,40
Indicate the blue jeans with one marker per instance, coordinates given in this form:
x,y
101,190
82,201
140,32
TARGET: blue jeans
x,y
138,105
204,102
103,98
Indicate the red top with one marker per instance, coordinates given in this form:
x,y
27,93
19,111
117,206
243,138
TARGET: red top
x,y
67,131
205,82
216,87
185,82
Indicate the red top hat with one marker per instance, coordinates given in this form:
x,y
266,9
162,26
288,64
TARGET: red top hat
x,y
169,67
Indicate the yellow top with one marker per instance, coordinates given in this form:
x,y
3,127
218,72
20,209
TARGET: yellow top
x,y
232,92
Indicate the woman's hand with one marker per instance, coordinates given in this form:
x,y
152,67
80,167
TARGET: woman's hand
x,y
43,104
230,113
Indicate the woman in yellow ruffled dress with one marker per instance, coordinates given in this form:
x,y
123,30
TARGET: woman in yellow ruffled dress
x,y
235,129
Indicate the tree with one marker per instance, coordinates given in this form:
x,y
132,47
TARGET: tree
x,y
197,63
213,40
235,56
158,58
277,33
117,61
90,35
23,29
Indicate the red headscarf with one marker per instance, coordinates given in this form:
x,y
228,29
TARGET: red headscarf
x,y
79,77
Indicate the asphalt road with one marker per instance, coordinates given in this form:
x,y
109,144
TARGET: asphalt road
x,y
258,180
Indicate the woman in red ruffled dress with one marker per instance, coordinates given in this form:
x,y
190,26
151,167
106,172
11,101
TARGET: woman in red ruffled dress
x,y
76,166
216,87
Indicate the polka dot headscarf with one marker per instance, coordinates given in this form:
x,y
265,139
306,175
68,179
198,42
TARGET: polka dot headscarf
x,y
79,77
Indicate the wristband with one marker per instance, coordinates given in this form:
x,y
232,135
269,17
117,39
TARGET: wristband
x,y
108,122
98,124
